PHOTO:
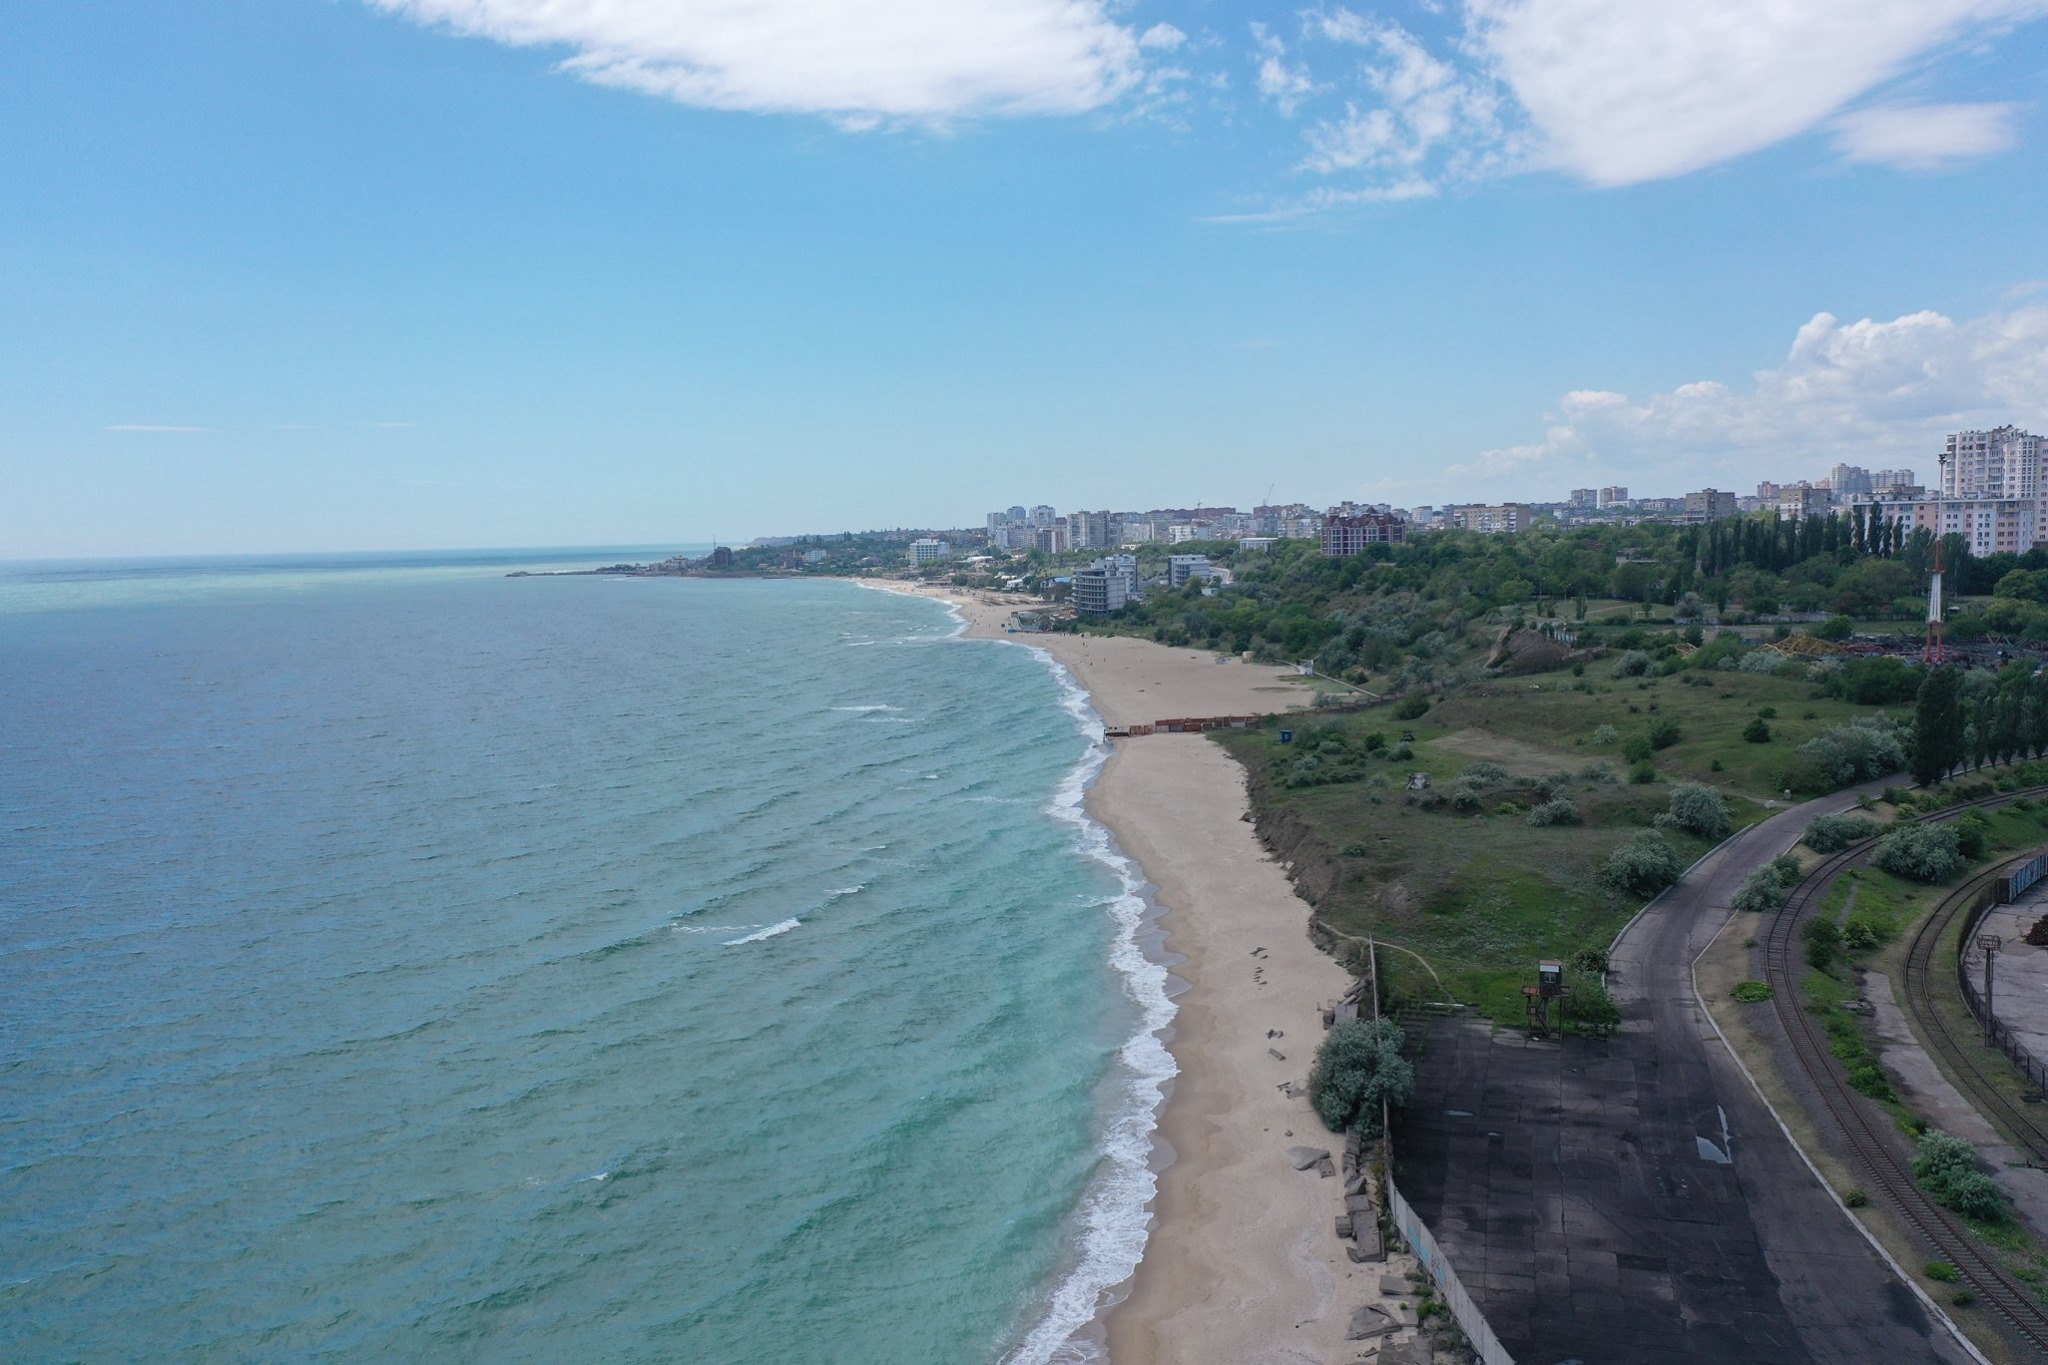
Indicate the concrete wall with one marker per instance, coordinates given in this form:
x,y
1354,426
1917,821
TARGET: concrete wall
x,y
1463,1310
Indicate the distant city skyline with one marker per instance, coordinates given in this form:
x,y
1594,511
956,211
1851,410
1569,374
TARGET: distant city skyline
x,y
410,274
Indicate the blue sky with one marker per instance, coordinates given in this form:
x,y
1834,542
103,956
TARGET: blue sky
x,y
327,274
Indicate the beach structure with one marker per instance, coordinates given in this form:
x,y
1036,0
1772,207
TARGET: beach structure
x,y
1107,585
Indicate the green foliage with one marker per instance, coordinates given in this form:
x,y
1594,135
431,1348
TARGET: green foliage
x,y
1483,774
1358,1065
1833,833
1923,853
1875,682
1942,1272
1557,811
1599,773
1751,992
1787,870
1643,866
1972,829
1664,733
1412,708
1946,1167
1835,628
1632,664
1937,726
1843,755
1698,809
1592,1010
1823,938
1762,893
1757,732
1636,749
1605,734
1643,773
1855,1197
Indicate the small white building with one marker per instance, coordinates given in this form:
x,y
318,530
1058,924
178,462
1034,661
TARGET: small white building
x,y
929,551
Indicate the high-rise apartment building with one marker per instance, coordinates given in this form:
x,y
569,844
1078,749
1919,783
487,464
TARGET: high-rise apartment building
x,y
1496,520
1344,536
1042,515
1709,504
1091,530
2001,463
1613,496
1585,497
1847,479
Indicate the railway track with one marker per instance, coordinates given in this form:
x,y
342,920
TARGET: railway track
x,y
1888,1175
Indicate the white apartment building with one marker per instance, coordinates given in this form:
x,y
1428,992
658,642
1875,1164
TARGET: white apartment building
x,y
1107,585
2001,463
929,551
1988,525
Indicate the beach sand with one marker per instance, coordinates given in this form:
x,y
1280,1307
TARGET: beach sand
x,y
1242,1265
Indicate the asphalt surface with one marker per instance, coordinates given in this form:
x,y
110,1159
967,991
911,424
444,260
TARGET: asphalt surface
x,y
1631,1199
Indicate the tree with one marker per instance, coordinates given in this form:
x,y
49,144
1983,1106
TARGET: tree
x,y
1698,809
1358,1065
1937,726
1757,732
1643,866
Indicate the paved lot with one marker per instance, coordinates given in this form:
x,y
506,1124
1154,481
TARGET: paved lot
x,y
1631,1200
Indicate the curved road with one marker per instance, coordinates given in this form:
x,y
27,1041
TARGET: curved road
x,y
1629,1200
1843,1300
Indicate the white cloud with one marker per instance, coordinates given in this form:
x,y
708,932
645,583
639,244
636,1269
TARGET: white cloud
x,y
860,60
1426,112
1286,84
1625,91
154,429
1869,393
1164,37
1923,137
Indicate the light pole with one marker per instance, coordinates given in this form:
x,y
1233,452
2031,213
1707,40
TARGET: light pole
x,y
1990,943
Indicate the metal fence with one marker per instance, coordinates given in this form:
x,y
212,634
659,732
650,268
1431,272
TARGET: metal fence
x,y
2004,891
1465,1312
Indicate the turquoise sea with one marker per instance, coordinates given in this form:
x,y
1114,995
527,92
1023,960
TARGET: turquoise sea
x,y
403,961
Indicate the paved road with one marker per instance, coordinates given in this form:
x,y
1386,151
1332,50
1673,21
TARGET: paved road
x,y
1631,1199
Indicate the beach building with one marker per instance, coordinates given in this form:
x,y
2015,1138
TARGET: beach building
x,y
929,551
1107,585
1180,568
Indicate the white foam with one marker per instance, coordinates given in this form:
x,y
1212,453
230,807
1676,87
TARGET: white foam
x,y
1113,1217
868,708
771,931
836,892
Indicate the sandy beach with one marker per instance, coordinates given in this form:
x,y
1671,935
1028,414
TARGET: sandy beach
x,y
1241,1266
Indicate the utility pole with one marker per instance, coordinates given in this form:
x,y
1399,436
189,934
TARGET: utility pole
x,y
1990,943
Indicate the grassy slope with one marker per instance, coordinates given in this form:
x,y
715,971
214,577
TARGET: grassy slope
x,y
1484,897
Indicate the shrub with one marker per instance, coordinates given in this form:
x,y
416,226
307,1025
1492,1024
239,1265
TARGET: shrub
x,y
1862,935
1854,1197
1412,708
1833,833
1599,773
1823,937
1465,798
1767,712
1558,811
1592,960
1924,853
1643,866
1358,1065
1604,734
1698,809
1971,831
1664,733
1761,662
1483,774
1835,628
1400,753
1762,893
1355,849
1643,773
1845,754
1633,664
1788,871
1942,1272
1592,1009
1946,1167
1756,732
1751,992
1636,748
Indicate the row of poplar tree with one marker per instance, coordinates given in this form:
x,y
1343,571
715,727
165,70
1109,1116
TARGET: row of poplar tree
x,y
1960,725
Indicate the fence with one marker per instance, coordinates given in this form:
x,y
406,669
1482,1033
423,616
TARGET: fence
x,y
1463,1310
2004,891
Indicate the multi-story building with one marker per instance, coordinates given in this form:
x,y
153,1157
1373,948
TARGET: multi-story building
x,y
1043,515
1797,504
1847,479
1882,480
2002,463
1107,585
1348,535
1988,525
1180,568
1709,504
1137,531
1180,533
929,551
1050,538
1584,497
1613,496
1089,530
1017,513
1497,519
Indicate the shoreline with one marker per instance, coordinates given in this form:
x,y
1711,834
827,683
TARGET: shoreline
x,y
1237,1261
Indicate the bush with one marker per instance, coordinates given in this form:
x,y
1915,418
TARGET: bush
x,y
1788,871
1862,935
1599,773
1946,1167
1643,866
1854,1197
1846,754
1924,853
1633,664
1751,992
1355,849
1823,937
1942,1272
1643,773
1558,811
1483,774
1833,833
1636,748
1876,682
1971,833
1664,733
1592,960
1466,799
1605,734
1762,893
1412,708
1767,712
1756,732
1592,1010
1835,628
1698,809
1358,1065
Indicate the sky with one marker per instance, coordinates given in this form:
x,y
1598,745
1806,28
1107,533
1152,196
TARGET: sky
x,y
304,275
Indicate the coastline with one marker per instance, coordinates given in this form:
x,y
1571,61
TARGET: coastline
x,y
1238,1264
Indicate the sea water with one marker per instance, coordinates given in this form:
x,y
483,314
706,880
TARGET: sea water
x,y
399,960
